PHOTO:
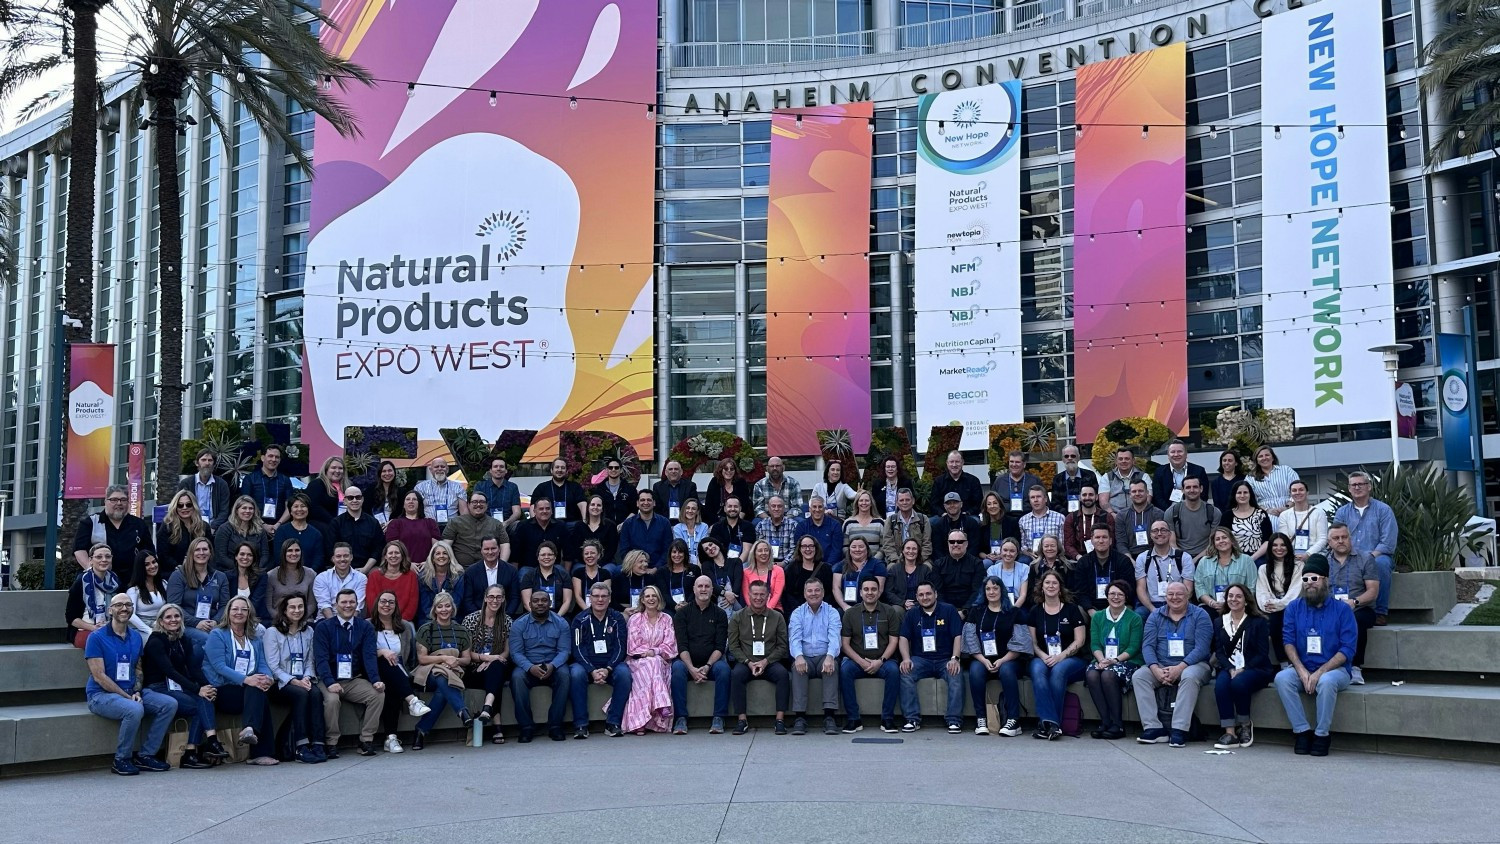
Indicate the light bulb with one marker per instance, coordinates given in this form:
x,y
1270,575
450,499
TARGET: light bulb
x,y
494,99
411,90
573,103
1278,133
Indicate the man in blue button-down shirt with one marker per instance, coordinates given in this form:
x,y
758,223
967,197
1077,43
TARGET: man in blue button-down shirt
x,y
599,660
813,635
646,531
539,646
1319,636
1178,641
1373,530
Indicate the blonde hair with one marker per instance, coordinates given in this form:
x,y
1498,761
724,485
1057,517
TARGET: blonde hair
x,y
336,492
454,569
189,571
250,620
246,528
158,628
634,561
175,523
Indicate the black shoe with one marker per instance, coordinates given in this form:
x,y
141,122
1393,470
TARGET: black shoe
x,y
526,734
781,727
852,725
799,727
581,732
1098,734
830,726
330,751
556,734
486,712
1114,733
1228,741
611,730
418,739
1178,739
213,750
888,725
308,756
1247,734
466,719
1054,732
1320,745
191,761
1156,735
367,748
1304,743
1043,731
152,764
124,767
741,727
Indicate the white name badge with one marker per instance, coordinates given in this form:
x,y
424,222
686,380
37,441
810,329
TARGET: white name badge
x,y
299,665
208,512
775,552
1219,595
242,662
173,685
872,638
757,648
205,608
441,514
1301,542
734,551
1013,599
1073,504
122,670
1237,661
346,666
1054,646
268,509
1176,647
1140,536
678,596
673,511
1088,546
987,640
1176,496
343,508
382,518
498,515
1161,589
1015,503
929,642
1100,585
1314,644
1112,647
601,646
1036,541
850,594
635,597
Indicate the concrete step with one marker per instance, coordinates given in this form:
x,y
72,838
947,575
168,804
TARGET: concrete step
x,y
41,668
27,617
1428,648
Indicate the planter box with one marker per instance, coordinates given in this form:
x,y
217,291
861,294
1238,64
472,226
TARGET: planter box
x,y
1422,597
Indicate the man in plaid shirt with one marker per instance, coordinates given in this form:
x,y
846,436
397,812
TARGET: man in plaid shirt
x,y
1041,521
777,529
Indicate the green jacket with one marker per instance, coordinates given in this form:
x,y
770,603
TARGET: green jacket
x,y
1128,630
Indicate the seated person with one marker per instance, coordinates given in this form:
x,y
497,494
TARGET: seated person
x,y
89,596
1175,646
235,661
999,648
1319,635
702,629
539,647
599,659
931,635
346,664
813,637
112,652
758,644
171,668
443,652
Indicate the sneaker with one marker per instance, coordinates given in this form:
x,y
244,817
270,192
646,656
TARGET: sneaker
x,y
247,736
307,756
1012,728
1356,676
741,727
556,734
580,732
1247,735
830,726
1320,745
799,727
124,767
981,727
1303,745
393,744
954,728
150,763
1042,731
330,751
679,727
911,726
1156,736
1179,739
416,708
366,748
213,750
192,761
526,735
1054,732
614,731
716,726
852,725
1228,741
781,727
888,725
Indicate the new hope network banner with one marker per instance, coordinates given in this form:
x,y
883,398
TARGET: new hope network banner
x,y
968,293
484,259
1327,287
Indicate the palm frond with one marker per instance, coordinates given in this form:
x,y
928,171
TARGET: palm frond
x,y
1463,73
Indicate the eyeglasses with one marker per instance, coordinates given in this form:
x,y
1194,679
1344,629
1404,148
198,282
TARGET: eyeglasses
x,y
613,468
115,499
186,505
493,597
385,601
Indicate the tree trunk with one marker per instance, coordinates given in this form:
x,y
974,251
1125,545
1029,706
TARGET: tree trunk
x,y
169,300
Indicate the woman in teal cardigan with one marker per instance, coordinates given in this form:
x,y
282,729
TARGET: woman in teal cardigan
x,y
235,662
1115,639
1221,566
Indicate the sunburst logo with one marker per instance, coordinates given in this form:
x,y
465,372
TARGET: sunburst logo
x,y
966,114
509,230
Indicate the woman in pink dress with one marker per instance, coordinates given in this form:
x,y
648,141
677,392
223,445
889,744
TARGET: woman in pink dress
x,y
650,647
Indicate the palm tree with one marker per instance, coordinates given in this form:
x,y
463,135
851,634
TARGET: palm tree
x,y
1464,73
258,53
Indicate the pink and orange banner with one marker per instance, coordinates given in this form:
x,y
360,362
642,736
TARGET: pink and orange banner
x,y
1130,310
91,419
135,478
817,277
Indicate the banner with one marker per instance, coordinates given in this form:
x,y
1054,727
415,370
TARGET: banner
x,y
968,295
1454,394
91,419
818,278
1326,187
1128,242
485,259
135,478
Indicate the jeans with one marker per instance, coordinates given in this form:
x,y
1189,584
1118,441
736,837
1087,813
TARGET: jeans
x,y
1383,566
129,713
521,684
1010,686
1049,684
889,672
815,669
443,694
619,681
921,668
1289,689
1191,680
304,711
199,711
254,707
1233,695
718,674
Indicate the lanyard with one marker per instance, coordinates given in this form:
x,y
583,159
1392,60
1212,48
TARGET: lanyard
x,y
594,631
763,622
1052,624
443,638
984,621
1156,565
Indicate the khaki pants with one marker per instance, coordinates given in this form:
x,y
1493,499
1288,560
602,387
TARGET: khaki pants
x,y
358,691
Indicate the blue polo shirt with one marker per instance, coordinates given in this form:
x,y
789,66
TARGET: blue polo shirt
x,y
114,650
943,622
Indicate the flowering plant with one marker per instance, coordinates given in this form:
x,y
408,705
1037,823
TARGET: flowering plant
x,y
366,445
888,442
834,446
1245,431
1143,436
941,440
709,447
1029,438
586,451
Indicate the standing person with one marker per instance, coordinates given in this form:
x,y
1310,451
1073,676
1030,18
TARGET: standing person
x,y
808,565
702,632
997,643
441,497
441,575
1115,487
1372,530
1039,521
597,527
395,657
1115,640
1133,524
1222,483
599,651
1247,522
347,666
777,528
651,645
956,480
539,650
1277,584
181,526
386,495
617,495
531,533
995,527
813,639
906,523
235,661
549,579
1242,648
88,606
1272,481
209,491
289,652
1014,575
869,637
123,533
675,579
490,571
1353,579
779,484
298,526
671,491
1013,486
733,532
269,489
443,653
931,638
838,497
690,529
1305,524
358,529
892,480
1168,481
1159,565
489,633
199,590
902,579
501,492
170,667
1192,519
1078,526
1176,645
758,644
1060,634
1318,637
1067,484
395,575
1222,565
340,576
567,495
112,652
726,484
466,530
147,591
823,527
243,525
647,531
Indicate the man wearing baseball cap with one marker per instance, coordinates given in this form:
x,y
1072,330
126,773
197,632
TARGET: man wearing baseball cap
x,y
1319,635
953,518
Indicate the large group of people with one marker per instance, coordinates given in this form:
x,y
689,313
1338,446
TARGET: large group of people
x,y
397,600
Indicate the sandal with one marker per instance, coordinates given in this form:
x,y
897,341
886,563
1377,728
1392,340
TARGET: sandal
x,y
486,713
499,737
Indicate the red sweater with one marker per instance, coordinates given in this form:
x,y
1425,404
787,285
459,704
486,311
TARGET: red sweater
x,y
404,586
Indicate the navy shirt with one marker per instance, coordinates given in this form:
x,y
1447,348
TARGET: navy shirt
x,y
943,623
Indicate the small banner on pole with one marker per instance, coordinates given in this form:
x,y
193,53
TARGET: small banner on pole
x,y
91,419
1455,392
135,478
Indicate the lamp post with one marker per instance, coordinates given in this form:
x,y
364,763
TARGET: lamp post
x,y
1391,354
53,494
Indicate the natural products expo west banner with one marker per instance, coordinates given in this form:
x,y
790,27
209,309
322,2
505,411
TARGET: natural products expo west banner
x,y
817,277
478,259
91,419
968,292
1129,307
1326,189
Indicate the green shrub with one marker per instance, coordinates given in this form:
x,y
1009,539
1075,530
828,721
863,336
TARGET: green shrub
x,y
1432,513
32,574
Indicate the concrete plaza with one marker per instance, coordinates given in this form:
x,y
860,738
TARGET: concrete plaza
x,y
866,788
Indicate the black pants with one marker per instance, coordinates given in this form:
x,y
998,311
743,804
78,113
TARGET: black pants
x,y
1108,692
397,690
492,680
254,708
1278,650
740,677
304,711
1364,619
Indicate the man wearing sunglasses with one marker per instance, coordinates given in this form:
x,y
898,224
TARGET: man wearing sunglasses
x,y
619,494
1319,636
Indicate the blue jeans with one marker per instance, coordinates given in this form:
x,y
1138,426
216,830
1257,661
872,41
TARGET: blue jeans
x,y
1050,684
849,672
1289,689
1383,566
718,674
1010,688
922,668
129,713
199,711
619,681
442,695
521,684
1233,695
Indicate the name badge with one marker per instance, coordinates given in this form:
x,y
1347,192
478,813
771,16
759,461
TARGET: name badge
x,y
1161,589
1140,536
1036,541
775,552
1237,660
995,546
1176,496
299,664
1176,646
1013,599
673,511
1054,645
382,518
1341,593
1314,642
850,594
1088,546
1073,504
268,509
205,608
173,685
601,646
635,597
1219,595
1100,585
498,515
440,513
343,508
208,511
734,551
1301,542
1112,646
987,641
872,638
929,640
678,596
122,669
346,666
1015,503
757,648
241,662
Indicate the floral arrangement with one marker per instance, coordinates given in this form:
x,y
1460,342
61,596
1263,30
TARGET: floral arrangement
x,y
834,446
888,442
586,451
236,454
365,446
1143,436
1245,431
1028,437
940,440
709,447
512,445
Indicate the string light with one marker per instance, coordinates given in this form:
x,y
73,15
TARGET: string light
x,y
494,99
799,121
573,103
1213,132
411,90
1278,133
1145,130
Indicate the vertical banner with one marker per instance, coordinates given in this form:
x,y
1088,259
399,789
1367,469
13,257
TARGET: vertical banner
x,y
481,254
1128,243
135,478
1325,187
1454,395
91,419
968,293
818,278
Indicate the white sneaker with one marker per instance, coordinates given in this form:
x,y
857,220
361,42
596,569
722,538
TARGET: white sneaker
x,y
982,727
1012,727
393,744
416,707
1357,676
